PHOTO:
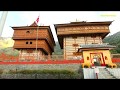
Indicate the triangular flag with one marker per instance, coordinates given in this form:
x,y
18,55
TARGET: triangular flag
x,y
37,20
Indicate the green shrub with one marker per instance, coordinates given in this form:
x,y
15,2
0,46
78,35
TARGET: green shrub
x,y
118,65
42,71
10,51
1,71
57,74
107,65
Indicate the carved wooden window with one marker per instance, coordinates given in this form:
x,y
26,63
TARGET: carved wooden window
x,y
75,45
26,42
87,58
30,42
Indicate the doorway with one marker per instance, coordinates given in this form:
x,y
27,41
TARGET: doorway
x,y
97,59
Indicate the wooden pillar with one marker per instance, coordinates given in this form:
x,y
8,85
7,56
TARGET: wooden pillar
x,y
64,45
49,56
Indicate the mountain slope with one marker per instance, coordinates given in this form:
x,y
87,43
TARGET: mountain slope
x,y
6,42
57,50
114,40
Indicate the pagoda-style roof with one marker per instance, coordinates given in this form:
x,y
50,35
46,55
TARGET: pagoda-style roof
x,y
83,23
34,26
81,28
29,27
95,46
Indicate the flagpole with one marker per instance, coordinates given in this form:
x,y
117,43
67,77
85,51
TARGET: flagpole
x,y
37,38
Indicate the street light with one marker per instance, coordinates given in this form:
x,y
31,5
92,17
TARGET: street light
x,y
2,21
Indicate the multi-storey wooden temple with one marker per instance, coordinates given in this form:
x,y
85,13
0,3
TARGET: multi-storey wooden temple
x,y
33,40
83,40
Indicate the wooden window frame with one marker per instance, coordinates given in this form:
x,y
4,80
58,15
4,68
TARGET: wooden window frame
x,y
75,45
30,42
27,42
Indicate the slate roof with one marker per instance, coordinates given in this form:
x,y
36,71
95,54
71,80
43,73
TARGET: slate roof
x,y
82,24
97,46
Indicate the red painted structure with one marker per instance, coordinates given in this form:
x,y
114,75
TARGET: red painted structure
x,y
116,60
45,62
8,59
103,64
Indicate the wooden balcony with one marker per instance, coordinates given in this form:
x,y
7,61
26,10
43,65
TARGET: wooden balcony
x,y
73,31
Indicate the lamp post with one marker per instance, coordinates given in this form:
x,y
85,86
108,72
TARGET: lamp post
x,y
2,21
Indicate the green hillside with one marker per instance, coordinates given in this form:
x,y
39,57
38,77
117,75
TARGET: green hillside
x,y
6,46
114,40
6,42
57,50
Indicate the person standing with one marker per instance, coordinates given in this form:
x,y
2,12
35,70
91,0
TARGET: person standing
x,y
96,72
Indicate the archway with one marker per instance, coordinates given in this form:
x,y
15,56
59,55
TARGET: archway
x,y
96,60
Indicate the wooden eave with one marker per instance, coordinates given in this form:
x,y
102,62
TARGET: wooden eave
x,y
29,27
91,49
82,24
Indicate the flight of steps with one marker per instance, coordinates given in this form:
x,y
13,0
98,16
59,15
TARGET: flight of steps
x,y
105,74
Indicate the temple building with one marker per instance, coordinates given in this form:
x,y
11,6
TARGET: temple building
x,y
33,40
83,40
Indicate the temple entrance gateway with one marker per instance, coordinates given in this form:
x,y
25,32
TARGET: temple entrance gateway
x,y
97,59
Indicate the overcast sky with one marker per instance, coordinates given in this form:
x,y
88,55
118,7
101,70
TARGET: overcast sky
x,y
24,18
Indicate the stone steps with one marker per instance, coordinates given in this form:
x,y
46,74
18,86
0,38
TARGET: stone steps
x,y
105,74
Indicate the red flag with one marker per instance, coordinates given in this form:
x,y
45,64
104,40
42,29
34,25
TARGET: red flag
x,y
37,20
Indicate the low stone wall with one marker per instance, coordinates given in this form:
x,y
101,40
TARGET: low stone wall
x,y
39,76
8,67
